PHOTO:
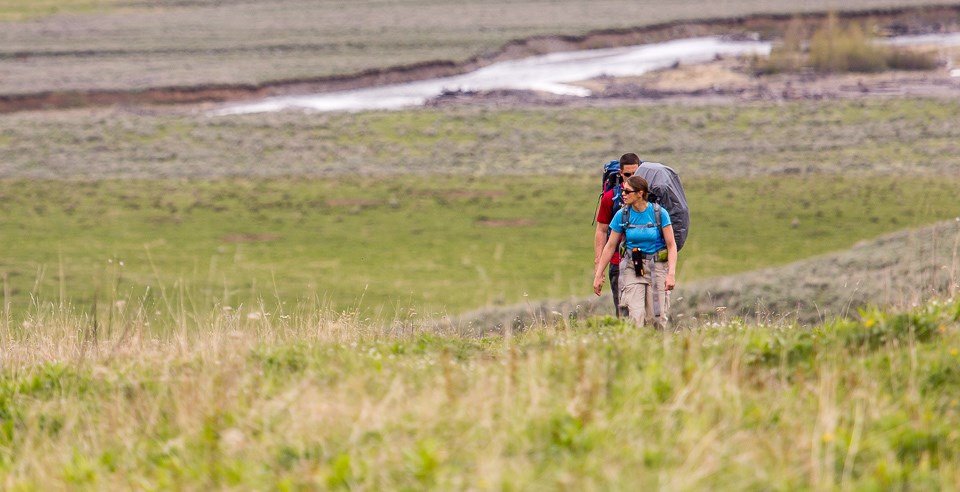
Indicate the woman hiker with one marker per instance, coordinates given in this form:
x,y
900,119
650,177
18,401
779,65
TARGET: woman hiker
x,y
649,265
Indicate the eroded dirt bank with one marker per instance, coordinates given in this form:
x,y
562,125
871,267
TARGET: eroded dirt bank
x,y
890,21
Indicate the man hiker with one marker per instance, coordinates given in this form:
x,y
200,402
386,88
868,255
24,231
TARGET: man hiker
x,y
610,204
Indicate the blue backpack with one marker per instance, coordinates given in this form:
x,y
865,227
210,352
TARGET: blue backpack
x,y
611,181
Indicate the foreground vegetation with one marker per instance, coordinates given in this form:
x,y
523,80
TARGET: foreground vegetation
x,y
319,400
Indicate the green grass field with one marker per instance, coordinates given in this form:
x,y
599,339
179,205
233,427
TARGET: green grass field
x,y
21,10
439,210
437,245
316,401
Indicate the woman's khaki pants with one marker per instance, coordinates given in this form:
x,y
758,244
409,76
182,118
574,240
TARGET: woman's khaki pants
x,y
637,296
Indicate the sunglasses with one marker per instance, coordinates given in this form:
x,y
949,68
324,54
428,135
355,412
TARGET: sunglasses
x,y
624,191
626,175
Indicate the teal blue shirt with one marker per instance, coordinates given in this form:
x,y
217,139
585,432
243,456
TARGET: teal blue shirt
x,y
646,237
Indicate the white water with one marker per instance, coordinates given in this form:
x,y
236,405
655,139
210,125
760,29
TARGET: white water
x,y
551,73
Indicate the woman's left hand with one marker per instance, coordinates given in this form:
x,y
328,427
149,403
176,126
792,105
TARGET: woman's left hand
x,y
597,284
670,282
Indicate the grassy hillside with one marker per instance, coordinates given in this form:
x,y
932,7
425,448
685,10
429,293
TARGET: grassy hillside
x,y
437,244
901,269
133,45
216,400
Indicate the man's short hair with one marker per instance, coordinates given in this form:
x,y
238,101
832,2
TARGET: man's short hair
x,y
629,159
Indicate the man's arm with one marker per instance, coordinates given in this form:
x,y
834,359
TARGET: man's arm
x,y
605,213
599,240
671,280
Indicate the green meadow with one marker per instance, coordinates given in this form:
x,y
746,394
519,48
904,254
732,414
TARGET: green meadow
x,y
437,245
438,211
20,10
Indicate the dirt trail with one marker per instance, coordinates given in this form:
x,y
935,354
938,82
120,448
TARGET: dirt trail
x,y
893,21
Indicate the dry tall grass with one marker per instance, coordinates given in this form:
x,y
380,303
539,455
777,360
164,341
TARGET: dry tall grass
x,y
836,48
230,400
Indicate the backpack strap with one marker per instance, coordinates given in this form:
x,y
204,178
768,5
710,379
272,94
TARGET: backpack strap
x,y
595,212
656,218
617,197
624,222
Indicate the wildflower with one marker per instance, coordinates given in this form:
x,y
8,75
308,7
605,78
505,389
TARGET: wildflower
x,y
954,352
827,437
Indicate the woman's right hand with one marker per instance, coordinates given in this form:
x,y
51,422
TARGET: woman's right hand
x,y
597,284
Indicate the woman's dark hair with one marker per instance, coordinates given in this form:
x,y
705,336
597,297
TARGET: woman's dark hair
x,y
638,183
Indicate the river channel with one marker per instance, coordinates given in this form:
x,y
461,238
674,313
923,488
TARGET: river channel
x,y
552,73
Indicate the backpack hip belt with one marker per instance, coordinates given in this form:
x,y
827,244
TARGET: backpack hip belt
x,y
659,256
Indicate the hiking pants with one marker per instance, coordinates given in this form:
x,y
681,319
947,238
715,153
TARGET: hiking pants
x,y
614,273
637,295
